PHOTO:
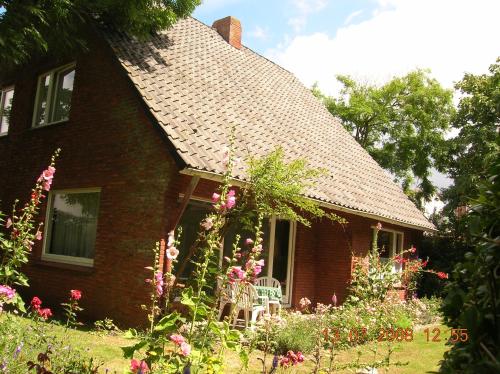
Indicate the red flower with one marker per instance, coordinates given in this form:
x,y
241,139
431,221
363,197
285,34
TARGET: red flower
x,y
442,275
424,263
76,294
36,303
44,313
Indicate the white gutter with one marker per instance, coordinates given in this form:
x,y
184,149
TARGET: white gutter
x,y
236,182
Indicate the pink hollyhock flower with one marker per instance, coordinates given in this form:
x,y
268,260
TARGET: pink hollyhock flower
x,y
442,275
334,299
44,313
171,239
172,253
7,292
231,202
249,241
159,283
46,185
36,303
215,197
38,235
257,248
75,294
177,339
208,223
304,302
139,367
231,193
300,357
8,223
185,349
236,273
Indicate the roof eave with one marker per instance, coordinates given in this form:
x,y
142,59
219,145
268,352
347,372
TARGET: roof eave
x,y
210,175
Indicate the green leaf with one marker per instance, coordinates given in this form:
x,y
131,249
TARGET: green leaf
x,y
167,323
128,352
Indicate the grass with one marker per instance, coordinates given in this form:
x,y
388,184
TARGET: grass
x,y
420,355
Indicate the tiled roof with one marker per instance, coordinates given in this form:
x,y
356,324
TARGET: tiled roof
x,y
198,87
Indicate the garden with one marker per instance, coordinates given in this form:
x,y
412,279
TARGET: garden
x,y
372,331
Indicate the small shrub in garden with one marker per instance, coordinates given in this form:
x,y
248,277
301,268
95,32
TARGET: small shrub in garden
x,y
298,334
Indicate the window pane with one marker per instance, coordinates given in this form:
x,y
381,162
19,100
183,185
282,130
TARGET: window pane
x,y
6,103
74,224
62,95
281,246
384,243
41,105
190,223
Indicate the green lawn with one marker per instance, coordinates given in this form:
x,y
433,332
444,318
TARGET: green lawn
x,y
422,356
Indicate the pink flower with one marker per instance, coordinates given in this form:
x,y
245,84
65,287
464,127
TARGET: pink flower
x,y
7,292
171,239
300,357
139,367
257,249
8,223
231,202
442,275
46,185
159,283
334,299
185,349
38,235
236,273
304,302
75,294
177,339
379,226
172,253
215,197
208,223
44,313
249,241
413,249
36,303
424,263
231,193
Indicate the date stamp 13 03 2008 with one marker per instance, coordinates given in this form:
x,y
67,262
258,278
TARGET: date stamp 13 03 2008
x,y
434,335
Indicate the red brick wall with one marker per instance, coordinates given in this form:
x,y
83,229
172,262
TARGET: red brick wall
x,y
108,142
323,255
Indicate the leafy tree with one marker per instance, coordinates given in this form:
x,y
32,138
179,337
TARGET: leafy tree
x,y
477,121
54,26
473,295
401,124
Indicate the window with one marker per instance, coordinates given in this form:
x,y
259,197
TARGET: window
x,y
389,244
6,96
53,97
72,224
278,243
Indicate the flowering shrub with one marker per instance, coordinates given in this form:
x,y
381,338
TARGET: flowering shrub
x,y
22,230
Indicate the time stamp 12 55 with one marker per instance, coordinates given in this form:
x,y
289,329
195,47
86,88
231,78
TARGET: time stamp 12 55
x,y
431,334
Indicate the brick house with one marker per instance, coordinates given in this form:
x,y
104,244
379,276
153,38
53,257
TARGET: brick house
x,y
141,126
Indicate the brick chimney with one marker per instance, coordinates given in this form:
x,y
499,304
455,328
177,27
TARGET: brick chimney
x,y
230,29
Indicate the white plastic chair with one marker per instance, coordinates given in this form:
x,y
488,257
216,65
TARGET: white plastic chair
x,y
247,300
270,282
227,296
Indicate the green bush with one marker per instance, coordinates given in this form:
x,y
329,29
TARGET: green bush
x,y
298,334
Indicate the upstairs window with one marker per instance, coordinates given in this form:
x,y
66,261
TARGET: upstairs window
x,y
6,96
53,96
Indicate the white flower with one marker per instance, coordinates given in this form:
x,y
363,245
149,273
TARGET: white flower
x,y
172,253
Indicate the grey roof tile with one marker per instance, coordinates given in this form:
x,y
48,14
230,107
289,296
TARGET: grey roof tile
x,y
198,87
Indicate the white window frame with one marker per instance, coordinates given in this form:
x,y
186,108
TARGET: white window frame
x,y
72,260
396,268
50,92
287,296
2,99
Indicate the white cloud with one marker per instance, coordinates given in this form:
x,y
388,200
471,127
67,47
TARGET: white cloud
x,y
259,33
351,16
448,36
304,8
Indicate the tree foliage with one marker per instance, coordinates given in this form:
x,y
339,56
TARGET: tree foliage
x,y
473,295
56,26
401,124
477,121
